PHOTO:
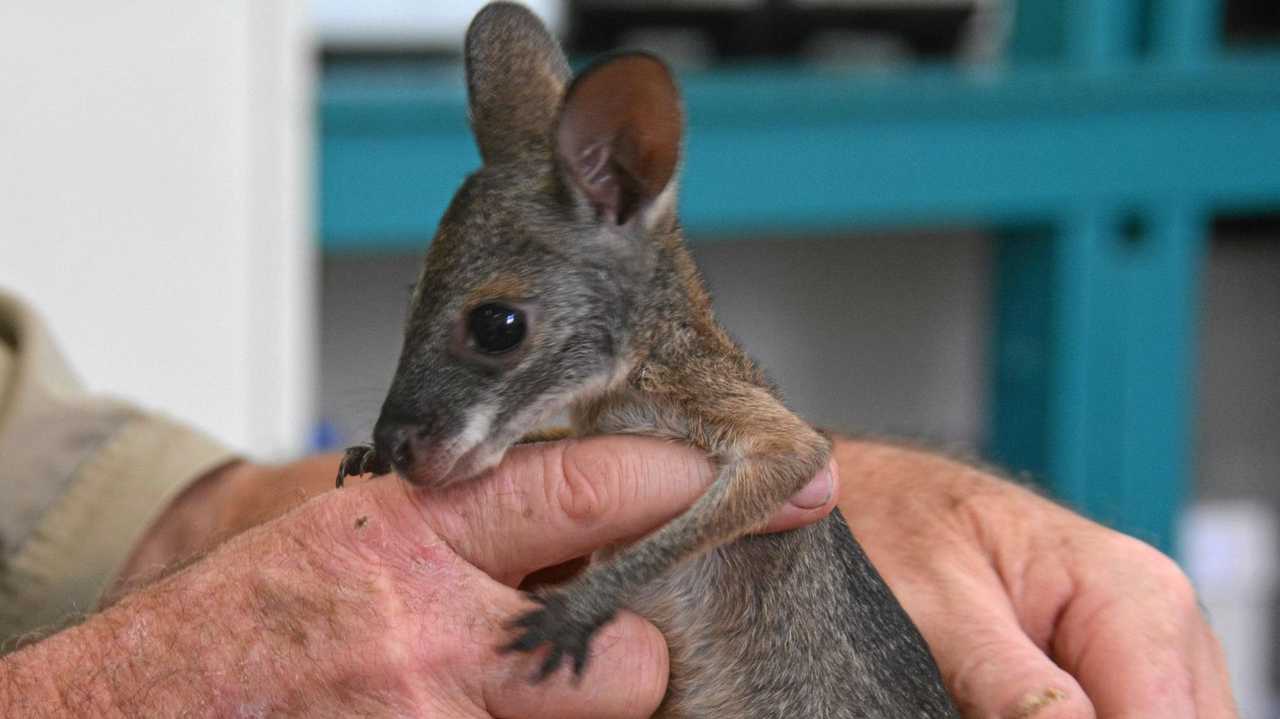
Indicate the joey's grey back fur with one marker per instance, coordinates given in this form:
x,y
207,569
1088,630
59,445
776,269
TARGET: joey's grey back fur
x,y
568,233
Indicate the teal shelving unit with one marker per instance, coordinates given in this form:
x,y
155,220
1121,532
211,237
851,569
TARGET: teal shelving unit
x,y
1098,153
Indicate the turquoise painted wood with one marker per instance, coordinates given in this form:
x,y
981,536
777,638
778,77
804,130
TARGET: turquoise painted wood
x,y
1162,268
1111,398
1100,155
1022,352
1094,389
778,149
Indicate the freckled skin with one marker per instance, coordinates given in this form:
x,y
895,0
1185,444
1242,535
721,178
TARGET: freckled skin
x,y
572,219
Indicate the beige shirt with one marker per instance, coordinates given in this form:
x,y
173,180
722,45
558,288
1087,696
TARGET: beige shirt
x,y
81,478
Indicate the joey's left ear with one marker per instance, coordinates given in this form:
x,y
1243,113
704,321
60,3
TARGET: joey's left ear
x,y
516,75
618,138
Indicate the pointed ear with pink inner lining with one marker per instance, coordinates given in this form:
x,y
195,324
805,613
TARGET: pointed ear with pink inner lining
x,y
618,136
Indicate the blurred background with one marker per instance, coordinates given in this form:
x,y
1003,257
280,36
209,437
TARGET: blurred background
x,y
1045,233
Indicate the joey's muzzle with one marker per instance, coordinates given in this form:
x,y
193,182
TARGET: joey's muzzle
x,y
425,455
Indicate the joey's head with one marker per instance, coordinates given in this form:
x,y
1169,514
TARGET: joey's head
x,y
546,257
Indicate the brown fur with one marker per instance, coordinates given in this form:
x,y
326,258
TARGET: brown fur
x,y
573,215
505,285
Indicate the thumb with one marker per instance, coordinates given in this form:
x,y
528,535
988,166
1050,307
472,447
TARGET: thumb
x,y
548,503
993,669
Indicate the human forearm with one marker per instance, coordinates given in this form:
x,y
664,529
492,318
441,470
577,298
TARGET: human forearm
x,y
192,640
297,617
30,685
307,615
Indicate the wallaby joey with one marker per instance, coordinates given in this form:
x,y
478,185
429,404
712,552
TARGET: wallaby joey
x,y
559,279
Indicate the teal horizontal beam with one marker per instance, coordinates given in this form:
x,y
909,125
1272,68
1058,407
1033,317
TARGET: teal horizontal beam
x,y
792,150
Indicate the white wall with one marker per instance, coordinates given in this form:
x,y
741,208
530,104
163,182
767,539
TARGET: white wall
x,y
153,202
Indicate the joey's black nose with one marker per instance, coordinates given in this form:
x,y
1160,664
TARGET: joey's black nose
x,y
391,442
404,440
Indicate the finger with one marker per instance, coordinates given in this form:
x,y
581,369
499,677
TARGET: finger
x,y
626,677
549,503
1130,637
810,504
1004,675
1213,684
1129,665
990,665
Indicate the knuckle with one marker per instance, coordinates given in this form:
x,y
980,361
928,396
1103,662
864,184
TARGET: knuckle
x,y
973,514
585,485
1162,573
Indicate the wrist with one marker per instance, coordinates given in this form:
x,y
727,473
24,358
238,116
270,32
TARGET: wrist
x,y
199,517
217,506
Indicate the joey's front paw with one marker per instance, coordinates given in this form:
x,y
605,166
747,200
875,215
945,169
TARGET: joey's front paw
x,y
358,460
565,621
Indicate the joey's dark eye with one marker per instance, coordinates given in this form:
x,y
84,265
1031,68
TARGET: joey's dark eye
x,y
496,328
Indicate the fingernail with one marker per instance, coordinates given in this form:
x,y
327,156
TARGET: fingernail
x,y
1032,703
817,492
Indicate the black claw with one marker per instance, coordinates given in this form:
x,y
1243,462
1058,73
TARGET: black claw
x,y
526,642
360,459
374,463
579,663
550,664
524,622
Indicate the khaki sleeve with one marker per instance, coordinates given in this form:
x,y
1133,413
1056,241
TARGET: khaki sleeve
x,y
81,478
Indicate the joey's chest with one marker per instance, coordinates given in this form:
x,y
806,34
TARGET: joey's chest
x,y
632,411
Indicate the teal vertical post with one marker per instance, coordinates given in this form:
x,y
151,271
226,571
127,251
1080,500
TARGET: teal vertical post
x,y
1095,315
1165,272
1122,335
1021,353
1037,30
1082,423
1101,34
1185,32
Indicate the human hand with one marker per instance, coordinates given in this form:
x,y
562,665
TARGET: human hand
x,y
241,495
385,600
1029,609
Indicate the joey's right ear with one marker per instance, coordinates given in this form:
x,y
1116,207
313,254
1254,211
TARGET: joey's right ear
x,y
618,137
516,75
